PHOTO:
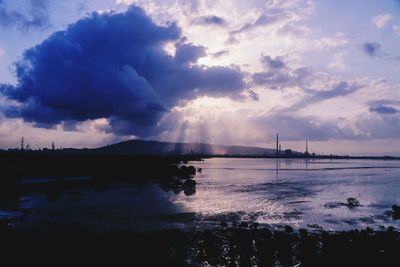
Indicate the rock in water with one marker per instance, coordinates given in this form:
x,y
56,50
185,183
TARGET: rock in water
x,y
189,183
352,202
396,212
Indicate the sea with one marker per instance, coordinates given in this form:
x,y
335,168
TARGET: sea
x,y
315,194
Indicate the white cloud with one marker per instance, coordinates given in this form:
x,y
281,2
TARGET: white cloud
x,y
273,26
396,29
1,51
338,40
338,61
381,20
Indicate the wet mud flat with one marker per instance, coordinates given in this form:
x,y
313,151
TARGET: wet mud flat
x,y
234,246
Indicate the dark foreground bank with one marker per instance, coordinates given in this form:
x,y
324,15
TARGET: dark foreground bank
x,y
240,246
53,172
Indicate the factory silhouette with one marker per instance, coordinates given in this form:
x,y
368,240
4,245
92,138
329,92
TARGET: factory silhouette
x,y
145,147
289,152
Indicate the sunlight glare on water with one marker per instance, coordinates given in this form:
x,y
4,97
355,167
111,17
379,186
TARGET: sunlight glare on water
x,y
299,192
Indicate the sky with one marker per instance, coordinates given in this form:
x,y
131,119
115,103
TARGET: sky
x,y
89,73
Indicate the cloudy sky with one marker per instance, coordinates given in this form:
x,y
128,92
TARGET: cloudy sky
x,y
87,73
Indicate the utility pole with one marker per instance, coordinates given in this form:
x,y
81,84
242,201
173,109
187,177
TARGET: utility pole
x,y
22,143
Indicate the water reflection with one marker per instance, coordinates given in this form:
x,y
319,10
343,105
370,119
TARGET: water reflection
x,y
306,163
265,191
188,187
109,207
295,191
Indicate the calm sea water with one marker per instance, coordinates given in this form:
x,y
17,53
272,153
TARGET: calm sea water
x,y
275,192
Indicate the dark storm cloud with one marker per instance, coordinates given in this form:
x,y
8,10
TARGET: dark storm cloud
x,y
384,102
375,50
383,109
313,96
113,66
372,49
37,15
340,89
253,95
210,20
188,53
275,80
277,75
220,53
275,63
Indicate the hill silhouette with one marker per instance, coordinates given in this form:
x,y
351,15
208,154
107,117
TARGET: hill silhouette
x,y
144,147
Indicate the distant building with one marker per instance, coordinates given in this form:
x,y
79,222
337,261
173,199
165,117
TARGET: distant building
x,y
288,152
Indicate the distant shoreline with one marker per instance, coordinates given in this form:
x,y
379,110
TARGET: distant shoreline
x,y
310,157
95,153
152,148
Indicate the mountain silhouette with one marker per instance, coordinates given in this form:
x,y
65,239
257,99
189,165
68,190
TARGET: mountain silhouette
x,y
144,147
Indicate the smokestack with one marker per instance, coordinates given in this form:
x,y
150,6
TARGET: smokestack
x,y
306,146
277,143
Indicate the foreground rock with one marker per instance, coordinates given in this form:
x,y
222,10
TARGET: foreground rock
x,y
396,212
351,202
240,246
